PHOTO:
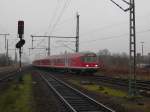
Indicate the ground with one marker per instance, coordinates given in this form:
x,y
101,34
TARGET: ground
x,y
120,72
114,97
29,95
18,97
33,95
44,98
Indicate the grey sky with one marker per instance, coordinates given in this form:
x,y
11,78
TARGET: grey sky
x,y
102,24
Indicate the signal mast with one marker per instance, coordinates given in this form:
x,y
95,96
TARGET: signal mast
x,y
20,44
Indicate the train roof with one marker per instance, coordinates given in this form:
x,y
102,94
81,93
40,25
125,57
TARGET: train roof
x,y
68,54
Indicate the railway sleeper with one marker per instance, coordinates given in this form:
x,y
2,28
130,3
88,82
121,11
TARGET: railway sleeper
x,y
144,93
79,105
81,109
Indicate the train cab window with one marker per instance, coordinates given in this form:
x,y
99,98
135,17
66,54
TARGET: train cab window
x,y
89,59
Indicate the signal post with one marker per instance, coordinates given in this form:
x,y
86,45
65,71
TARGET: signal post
x,y
20,44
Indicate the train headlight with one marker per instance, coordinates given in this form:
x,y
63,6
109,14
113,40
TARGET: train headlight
x,y
87,65
96,65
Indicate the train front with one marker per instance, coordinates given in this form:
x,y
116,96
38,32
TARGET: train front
x,y
90,63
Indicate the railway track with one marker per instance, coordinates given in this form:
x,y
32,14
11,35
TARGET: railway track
x,y
141,85
72,99
10,74
7,76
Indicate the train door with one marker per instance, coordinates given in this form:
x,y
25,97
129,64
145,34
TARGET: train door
x,y
66,60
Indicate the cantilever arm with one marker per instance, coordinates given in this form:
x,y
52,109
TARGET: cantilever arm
x,y
126,2
125,10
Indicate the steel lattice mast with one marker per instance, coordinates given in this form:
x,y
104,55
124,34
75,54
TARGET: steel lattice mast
x,y
132,46
132,81
77,34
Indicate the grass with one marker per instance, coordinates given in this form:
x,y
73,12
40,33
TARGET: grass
x,y
130,103
18,98
141,74
105,90
101,89
140,108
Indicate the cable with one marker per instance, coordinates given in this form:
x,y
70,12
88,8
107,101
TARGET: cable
x,y
63,22
112,25
65,5
103,28
52,18
114,37
107,38
61,14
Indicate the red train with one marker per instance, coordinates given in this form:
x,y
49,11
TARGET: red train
x,y
74,62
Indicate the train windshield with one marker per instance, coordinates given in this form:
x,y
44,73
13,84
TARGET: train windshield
x,y
89,59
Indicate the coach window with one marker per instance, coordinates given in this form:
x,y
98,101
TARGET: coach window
x,y
82,59
90,59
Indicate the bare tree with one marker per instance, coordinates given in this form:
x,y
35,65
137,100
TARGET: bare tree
x,y
116,59
4,60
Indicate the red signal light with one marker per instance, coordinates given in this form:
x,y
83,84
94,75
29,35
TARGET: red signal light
x,y
20,28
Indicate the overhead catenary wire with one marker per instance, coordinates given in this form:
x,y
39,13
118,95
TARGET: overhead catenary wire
x,y
102,39
53,17
63,22
106,27
113,37
51,20
102,28
57,20
61,14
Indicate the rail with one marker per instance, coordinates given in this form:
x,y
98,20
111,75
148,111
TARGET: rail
x,y
74,100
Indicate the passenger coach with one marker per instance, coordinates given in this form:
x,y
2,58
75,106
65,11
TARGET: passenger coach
x,y
74,62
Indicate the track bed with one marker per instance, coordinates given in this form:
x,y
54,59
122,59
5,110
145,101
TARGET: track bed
x,y
74,100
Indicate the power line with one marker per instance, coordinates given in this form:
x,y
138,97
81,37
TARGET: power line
x,y
114,37
64,22
99,29
103,28
61,23
61,13
53,16
107,38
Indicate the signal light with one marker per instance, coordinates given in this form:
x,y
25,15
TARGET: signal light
x,y
20,43
20,28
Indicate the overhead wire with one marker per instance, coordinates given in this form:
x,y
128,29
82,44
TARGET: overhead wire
x,y
67,3
63,22
99,29
51,20
103,28
57,20
53,17
114,37
59,17
61,14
